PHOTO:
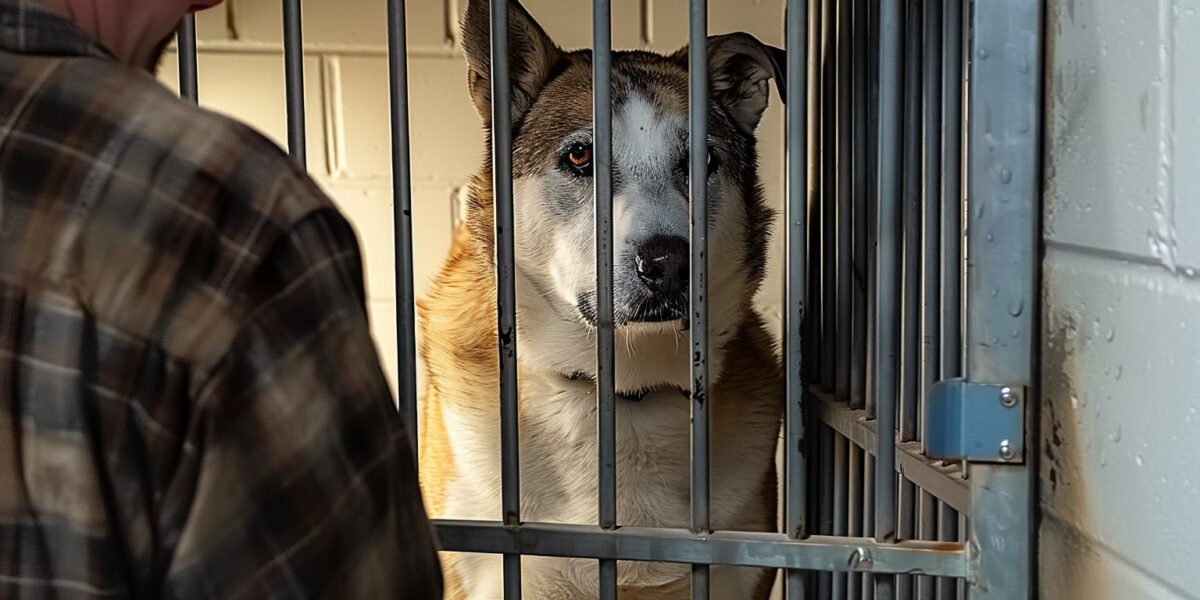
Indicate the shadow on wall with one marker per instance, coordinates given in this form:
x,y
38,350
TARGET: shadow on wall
x,y
1063,562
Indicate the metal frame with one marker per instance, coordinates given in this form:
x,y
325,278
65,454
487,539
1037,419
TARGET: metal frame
x,y
882,107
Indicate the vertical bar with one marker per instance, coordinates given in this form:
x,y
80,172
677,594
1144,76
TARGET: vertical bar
x,y
605,356
858,194
842,164
964,533
825,522
506,296
952,114
815,319
828,197
891,47
186,43
841,501
926,530
947,588
904,529
931,247
868,580
293,68
872,214
406,324
698,329
855,525
1004,185
911,275
911,342
795,290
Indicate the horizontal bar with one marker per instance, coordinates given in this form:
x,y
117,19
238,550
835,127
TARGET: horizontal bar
x,y
743,549
942,480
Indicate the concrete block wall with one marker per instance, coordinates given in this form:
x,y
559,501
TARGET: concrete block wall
x,y
346,104
1120,424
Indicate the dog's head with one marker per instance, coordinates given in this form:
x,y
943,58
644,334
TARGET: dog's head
x,y
552,171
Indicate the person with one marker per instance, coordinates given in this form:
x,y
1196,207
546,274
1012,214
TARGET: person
x,y
191,404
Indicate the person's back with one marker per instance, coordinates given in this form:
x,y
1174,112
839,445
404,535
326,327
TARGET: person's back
x,y
190,401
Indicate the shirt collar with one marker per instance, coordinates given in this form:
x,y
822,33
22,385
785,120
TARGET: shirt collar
x,y
26,27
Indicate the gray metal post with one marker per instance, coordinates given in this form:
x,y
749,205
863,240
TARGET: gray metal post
x,y
605,357
1004,180
859,200
698,329
506,300
931,233
951,190
891,48
845,279
293,68
841,502
911,284
186,44
406,322
795,292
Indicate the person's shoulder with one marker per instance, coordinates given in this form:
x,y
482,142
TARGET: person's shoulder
x,y
204,145
194,202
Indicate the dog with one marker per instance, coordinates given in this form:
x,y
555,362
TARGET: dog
x,y
556,314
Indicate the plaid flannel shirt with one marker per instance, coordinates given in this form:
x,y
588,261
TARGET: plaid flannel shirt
x,y
191,405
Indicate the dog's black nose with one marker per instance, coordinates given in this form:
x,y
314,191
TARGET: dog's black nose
x,y
662,264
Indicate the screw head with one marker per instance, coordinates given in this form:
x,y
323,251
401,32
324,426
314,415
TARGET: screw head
x,y
1006,450
1008,398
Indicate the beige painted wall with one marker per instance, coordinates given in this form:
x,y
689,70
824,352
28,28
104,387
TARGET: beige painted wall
x,y
346,102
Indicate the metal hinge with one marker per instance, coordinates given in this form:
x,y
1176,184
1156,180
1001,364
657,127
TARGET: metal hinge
x,y
975,422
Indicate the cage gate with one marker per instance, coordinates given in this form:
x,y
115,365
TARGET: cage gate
x,y
910,300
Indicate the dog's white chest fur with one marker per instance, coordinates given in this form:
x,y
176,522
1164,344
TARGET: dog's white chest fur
x,y
559,482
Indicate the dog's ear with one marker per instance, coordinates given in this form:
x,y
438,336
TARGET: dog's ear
x,y
533,57
739,66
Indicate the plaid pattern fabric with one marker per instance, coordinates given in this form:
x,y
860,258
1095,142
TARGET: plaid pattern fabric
x,y
191,405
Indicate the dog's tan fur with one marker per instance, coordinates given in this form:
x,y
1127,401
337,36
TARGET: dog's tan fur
x,y
460,418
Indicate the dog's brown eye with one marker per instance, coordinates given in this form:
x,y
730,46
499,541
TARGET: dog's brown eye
x,y
579,157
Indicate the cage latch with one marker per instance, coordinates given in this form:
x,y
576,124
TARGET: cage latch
x,y
977,422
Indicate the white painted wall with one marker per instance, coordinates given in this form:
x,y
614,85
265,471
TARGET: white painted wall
x,y
1120,428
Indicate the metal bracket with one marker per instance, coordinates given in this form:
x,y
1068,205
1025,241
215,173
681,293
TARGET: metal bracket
x,y
975,421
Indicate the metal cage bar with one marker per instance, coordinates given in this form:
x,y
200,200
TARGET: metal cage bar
x,y
735,548
891,45
947,589
841,475
951,189
698,280
186,43
406,322
843,164
891,48
1004,183
911,224
857,49
795,290
293,68
931,232
827,195
910,280
510,470
605,353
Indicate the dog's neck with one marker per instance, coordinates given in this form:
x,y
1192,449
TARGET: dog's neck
x,y
648,357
